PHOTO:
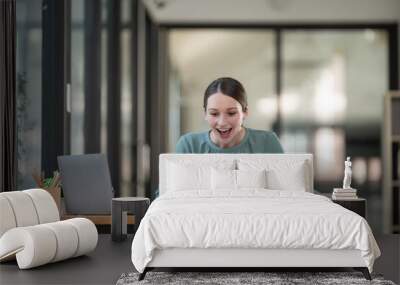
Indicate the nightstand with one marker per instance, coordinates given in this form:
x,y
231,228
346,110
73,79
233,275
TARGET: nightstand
x,y
358,206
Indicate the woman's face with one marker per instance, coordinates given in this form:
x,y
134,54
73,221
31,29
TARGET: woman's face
x,y
225,117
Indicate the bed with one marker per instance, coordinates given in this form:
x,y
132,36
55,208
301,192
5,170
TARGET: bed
x,y
247,210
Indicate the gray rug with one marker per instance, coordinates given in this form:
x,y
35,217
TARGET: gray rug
x,y
228,278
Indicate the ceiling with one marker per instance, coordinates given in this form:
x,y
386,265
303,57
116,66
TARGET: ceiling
x,y
273,11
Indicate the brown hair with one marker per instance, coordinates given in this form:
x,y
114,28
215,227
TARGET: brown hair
x,y
229,87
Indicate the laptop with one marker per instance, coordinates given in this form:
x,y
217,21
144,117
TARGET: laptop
x,y
86,183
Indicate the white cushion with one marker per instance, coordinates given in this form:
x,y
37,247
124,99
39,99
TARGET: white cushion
x,y
41,244
87,233
27,208
45,205
23,208
186,175
34,244
277,162
173,171
227,179
223,179
295,181
67,240
290,175
7,218
251,178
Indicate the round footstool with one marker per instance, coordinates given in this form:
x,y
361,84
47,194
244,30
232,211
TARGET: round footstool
x,y
136,206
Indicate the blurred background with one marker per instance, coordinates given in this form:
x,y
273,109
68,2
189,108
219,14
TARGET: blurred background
x,y
127,77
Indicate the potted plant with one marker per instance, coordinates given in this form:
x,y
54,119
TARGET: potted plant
x,y
51,185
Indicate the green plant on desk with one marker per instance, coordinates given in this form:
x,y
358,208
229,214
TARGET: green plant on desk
x,y
51,182
51,185
47,183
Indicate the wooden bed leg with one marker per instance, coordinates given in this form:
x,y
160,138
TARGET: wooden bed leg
x,y
143,274
364,271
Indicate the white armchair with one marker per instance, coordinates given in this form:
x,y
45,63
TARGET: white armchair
x,y
31,230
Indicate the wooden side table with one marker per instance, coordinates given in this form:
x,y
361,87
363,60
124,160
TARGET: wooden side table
x,y
120,207
358,206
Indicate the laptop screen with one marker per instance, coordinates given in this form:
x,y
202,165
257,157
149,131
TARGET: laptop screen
x,y
86,183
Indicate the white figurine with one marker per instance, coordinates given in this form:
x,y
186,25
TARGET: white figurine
x,y
347,174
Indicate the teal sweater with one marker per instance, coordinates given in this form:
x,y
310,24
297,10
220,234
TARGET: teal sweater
x,y
254,141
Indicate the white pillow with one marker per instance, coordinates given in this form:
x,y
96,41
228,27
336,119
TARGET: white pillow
x,y
288,175
251,178
223,179
188,177
193,174
291,181
235,179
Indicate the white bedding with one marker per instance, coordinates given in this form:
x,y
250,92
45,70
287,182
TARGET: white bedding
x,y
250,218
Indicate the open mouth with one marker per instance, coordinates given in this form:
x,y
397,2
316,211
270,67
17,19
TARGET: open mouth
x,y
224,133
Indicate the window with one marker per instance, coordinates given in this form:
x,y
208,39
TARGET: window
x,y
314,86
29,90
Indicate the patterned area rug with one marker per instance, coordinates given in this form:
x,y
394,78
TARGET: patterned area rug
x,y
225,278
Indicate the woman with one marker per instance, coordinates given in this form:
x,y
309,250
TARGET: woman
x,y
225,107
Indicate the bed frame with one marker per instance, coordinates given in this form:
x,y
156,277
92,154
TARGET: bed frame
x,y
243,259
246,258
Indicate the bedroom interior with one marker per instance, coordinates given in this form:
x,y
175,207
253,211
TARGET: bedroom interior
x,y
101,90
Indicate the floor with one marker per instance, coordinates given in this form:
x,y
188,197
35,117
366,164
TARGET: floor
x,y
110,260
102,266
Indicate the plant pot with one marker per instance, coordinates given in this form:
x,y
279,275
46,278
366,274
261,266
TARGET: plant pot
x,y
55,192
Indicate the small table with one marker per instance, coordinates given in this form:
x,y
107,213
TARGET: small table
x,y
120,207
358,205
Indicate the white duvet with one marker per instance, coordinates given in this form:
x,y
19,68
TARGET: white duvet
x,y
251,218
